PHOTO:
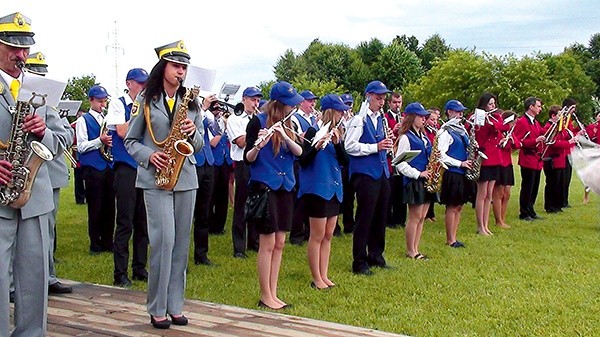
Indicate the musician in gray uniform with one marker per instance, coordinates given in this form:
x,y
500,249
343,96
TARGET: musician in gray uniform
x,y
27,227
169,212
59,177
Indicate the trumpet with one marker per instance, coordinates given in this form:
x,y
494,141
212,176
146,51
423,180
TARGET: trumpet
x,y
270,131
105,150
226,108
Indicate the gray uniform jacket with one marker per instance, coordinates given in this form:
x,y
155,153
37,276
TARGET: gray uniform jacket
x,y
57,168
56,137
140,146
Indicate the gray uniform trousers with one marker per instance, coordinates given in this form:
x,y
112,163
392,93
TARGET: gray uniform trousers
x,y
51,237
169,217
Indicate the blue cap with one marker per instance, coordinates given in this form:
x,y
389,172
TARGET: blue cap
x,y
97,91
455,105
307,94
347,98
285,93
417,109
261,103
333,101
376,87
252,92
137,74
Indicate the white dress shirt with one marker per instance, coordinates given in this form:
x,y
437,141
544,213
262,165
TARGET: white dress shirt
x,y
83,143
354,131
404,145
236,127
116,113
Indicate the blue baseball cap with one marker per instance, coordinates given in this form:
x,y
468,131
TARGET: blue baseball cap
x,y
417,109
285,93
307,94
97,91
455,105
137,74
333,101
252,92
347,98
376,87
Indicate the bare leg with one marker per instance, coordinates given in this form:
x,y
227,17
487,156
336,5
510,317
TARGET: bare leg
x,y
487,205
505,198
414,216
276,265
424,209
264,259
451,218
313,250
326,250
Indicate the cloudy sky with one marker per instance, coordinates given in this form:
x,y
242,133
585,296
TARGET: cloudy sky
x,y
242,39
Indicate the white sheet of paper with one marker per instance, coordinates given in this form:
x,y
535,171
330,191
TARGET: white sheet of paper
x,y
479,117
41,85
71,106
320,134
405,156
200,77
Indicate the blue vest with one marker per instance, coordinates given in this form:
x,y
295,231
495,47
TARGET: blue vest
x,y
120,154
323,176
205,155
304,125
375,164
274,171
458,150
221,151
93,158
420,161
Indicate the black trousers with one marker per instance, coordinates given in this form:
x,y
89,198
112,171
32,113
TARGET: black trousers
x,y
240,230
217,212
131,219
347,201
372,204
206,181
530,184
300,223
568,173
553,191
100,196
79,185
398,209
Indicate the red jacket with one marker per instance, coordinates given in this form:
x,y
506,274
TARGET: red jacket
x,y
488,137
526,133
593,131
391,124
557,151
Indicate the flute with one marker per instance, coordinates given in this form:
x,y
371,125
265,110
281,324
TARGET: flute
x,y
330,134
270,131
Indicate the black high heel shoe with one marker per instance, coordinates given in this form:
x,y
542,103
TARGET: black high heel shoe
x,y
181,320
164,324
314,286
262,304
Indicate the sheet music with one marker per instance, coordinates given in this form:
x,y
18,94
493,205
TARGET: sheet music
x,y
200,77
405,156
479,117
320,134
71,107
41,85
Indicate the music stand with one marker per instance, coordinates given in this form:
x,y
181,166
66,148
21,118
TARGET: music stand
x,y
228,89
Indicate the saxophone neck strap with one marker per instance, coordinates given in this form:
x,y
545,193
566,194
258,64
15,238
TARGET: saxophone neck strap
x,y
149,127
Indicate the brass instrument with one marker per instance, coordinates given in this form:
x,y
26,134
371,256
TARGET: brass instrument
x,y
25,158
555,128
436,168
105,150
175,146
475,156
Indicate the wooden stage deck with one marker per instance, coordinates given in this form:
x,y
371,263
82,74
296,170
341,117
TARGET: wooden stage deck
x,y
95,310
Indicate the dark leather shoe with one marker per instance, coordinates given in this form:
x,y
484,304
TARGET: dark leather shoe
x,y
204,261
59,288
164,324
537,217
366,272
314,286
141,276
181,320
528,218
12,297
240,255
123,282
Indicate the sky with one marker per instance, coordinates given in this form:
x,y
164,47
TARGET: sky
x,y
243,39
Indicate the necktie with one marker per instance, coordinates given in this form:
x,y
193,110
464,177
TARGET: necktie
x,y
171,103
313,121
14,88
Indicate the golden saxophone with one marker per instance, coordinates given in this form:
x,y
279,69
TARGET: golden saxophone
x,y
25,157
436,169
475,156
175,146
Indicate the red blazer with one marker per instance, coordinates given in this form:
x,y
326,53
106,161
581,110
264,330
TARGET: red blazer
x,y
488,137
526,132
593,131
391,124
557,152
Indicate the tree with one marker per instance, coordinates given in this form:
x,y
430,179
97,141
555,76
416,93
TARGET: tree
x,y
328,62
397,66
434,48
368,52
411,43
288,67
77,89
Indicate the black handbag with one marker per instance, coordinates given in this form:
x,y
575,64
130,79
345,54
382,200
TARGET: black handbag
x,y
256,209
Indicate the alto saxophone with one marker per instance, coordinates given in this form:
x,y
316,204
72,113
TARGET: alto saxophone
x,y
25,157
175,146
436,169
475,156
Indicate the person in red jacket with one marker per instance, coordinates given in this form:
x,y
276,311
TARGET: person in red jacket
x,y
397,209
530,133
506,177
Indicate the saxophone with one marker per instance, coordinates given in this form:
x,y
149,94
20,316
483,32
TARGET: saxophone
x,y
436,169
25,158
175,146
475,156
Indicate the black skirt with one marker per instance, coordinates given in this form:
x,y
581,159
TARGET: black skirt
x,y
489,173
414,193
506,176
279,217
317,207
456,189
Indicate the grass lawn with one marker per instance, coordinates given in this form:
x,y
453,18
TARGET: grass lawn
x,y
535,279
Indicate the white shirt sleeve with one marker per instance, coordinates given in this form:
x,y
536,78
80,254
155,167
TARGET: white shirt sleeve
x,y
403,167
444,142
115,115
235,128
351,142
83,144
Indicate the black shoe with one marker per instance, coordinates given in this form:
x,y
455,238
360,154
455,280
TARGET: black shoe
x,y
11,296
527,218
141,276
262,304
181,320
314,286
59,288
123,282
348,230
203,261
366,272
537,217
164,324
240,255
567,206
457,244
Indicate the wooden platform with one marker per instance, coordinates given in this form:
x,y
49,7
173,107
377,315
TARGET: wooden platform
x,y
94,310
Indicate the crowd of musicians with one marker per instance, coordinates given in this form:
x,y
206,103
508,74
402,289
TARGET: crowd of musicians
x,y
287,166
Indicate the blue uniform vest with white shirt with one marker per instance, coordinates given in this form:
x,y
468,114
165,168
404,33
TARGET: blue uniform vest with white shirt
x,y
205,155
93,158
418,143
221,151
375,164
304,124
120,154
275,171
458,150
323,176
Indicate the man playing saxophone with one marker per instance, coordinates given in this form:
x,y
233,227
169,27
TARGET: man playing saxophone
x,y
456,188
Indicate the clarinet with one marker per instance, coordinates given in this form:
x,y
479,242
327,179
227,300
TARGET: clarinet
x,y
388,133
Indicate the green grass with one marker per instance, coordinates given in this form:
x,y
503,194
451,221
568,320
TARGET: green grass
x,y
535,279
